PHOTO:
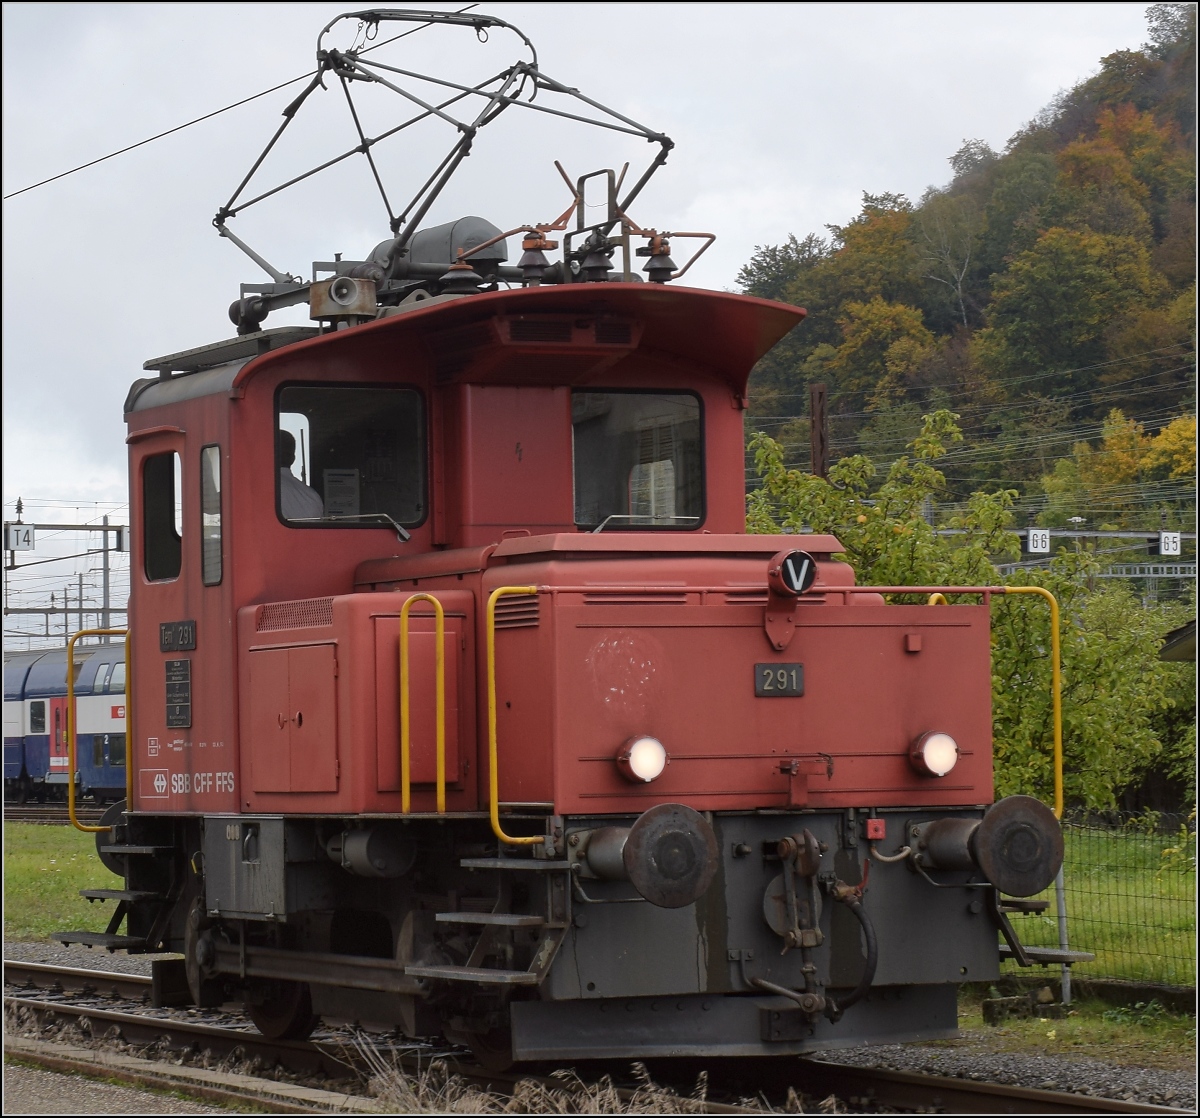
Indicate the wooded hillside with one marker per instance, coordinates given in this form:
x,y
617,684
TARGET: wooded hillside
x,y
1046,295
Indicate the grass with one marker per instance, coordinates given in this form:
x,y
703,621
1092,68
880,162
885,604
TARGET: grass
x,y
1145,1035
436,1089
1131,899
44,869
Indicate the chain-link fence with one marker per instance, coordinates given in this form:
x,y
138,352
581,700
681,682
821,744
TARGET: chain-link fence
x,y
1130,898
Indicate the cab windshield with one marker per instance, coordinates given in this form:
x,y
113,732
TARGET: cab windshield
x,y
638,460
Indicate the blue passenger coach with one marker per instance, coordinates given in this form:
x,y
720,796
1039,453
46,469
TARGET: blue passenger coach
x,y
35,724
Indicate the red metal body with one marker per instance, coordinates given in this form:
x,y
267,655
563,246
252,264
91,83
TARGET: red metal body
x,y
293,692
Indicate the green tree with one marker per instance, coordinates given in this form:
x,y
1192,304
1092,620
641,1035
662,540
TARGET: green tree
x,y
1114,686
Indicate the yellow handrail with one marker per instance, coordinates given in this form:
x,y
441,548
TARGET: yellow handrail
x,y
493,776
405,735
937,598
1055,687
71,742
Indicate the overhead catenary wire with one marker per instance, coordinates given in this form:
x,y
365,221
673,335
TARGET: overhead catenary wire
x,y
206,116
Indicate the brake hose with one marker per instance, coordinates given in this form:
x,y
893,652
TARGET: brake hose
x,y
835,1009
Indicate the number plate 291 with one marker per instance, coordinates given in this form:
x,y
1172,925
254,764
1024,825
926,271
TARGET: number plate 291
x,y
778,680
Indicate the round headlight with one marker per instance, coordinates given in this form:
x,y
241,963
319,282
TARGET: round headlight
x,y
934,754
642,759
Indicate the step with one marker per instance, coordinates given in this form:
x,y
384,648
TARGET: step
x,y
100,939
1010,904
475,974
1050,954
132,895
491,919
127,848
512,864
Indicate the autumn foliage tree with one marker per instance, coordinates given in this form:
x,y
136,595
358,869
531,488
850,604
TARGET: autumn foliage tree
x,y
1041,287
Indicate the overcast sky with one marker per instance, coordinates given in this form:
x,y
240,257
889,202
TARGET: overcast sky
x,y
783,114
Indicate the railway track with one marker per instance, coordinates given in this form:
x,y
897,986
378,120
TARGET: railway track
x,y
67,994
51,813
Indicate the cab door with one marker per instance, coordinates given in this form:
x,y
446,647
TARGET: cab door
x,y
59,761
163,625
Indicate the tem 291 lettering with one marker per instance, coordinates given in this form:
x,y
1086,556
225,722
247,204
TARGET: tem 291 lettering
x,y
183,783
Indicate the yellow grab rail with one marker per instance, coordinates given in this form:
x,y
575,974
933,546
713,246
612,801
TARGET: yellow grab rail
x,y
938,599
405,734
493,776
1055,687
72,746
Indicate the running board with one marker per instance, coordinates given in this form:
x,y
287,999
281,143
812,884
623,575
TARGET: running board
x,y
491,919
475,974
100,939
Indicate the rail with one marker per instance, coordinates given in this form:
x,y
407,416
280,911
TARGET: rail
x,y
440,685
493,775
72,746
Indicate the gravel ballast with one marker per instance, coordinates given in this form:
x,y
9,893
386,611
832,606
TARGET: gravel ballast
x,y
1020,1069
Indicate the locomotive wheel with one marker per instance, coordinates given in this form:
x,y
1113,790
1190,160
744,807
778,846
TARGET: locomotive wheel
x,y
281,1010
205,991
110,818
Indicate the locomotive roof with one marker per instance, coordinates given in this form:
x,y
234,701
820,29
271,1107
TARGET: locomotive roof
x,y
722,333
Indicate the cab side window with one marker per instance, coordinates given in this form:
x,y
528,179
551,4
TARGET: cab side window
x,y
349,457
162,530
37,717
210,515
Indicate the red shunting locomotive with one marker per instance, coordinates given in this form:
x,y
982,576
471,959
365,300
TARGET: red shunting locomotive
x,y
462,703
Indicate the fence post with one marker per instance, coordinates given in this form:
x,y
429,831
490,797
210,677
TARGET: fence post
x,y
1060,899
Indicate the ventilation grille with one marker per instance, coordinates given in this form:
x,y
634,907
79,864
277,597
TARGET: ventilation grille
x,y
746,597
540,330
634,598
295,615
613,333
517,611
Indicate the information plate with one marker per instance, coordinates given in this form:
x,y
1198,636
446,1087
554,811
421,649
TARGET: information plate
x,y
179,694
177,636
778,681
